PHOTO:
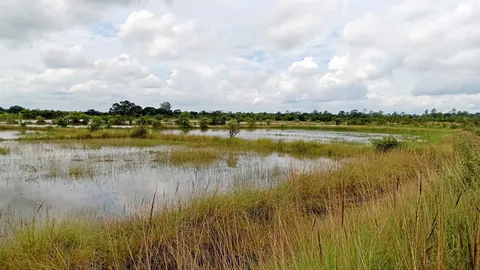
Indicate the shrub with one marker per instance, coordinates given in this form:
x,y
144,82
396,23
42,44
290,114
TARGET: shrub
x,y
157,124
40,120
251,123
96,123
61,122
233,128
386,143
204,123
110,122
139,132
184,120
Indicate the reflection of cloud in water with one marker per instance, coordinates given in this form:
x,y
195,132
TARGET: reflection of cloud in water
x,y
116,180
291,135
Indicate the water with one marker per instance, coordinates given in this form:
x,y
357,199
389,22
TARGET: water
x,y
291,135
12,134
120,181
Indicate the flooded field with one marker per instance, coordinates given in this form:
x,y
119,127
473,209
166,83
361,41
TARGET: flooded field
x,y
14,134
118,181
291,135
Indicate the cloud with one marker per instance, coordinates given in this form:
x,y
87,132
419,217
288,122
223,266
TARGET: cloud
x,y
436,41
162,36
241,55
298,22
22,21
54,56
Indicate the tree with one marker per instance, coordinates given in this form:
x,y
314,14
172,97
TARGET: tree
x,y
40,120
184,120
166,106
61,122
15,109
149,111
204,123
233,128
125,108
96,123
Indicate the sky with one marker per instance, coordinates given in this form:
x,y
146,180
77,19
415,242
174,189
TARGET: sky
x,y
263,55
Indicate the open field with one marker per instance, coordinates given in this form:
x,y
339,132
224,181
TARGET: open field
x,y
199,202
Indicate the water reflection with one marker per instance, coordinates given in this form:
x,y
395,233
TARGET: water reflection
x,y
120,180
290,135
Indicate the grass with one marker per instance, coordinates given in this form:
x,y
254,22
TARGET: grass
x,y
122,138
4,150
370,213
434,223
191,157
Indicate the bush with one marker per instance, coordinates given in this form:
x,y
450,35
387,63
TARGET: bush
x,y
111,122
204,123
157,124
251,123
61,122
40,120
139,132
386,144
233,128
96,123
184,120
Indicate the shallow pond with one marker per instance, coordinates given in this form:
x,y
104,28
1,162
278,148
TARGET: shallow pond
x,y
291,135
14,134
119,181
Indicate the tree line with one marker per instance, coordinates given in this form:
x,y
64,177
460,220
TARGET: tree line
x,y
126,112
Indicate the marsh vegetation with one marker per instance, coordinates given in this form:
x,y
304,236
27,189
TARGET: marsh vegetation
x,y
84,199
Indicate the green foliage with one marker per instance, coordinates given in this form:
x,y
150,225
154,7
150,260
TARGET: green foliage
x,y
139,131
233,128
157,124
77,118
251,123
96,123
204,123
386,143
184,120
61,122
40,120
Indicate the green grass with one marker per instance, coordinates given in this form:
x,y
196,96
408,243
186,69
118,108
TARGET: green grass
x,y
122,138
4,151
433,223
192,156
273,228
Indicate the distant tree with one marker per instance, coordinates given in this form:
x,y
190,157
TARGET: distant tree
x,y
96,123
157,124
251,123
61,122
184,120
233,128
125,108
40,120
15,109
166,106
149,111
204,123
92,112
